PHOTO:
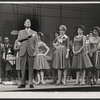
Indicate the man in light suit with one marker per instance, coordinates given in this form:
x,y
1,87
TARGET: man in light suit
x,y
2,56
28,49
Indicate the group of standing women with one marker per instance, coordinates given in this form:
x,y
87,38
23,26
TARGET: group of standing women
x,y
94,54
85,59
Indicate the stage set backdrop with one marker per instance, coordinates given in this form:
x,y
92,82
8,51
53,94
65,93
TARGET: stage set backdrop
x,y
47,18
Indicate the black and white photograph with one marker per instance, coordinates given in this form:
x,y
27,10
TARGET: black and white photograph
x,y
50,47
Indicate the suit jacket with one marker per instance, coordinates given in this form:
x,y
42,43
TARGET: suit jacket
x,y
28,42
7,48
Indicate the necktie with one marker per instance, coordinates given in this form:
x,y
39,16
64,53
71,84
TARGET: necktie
x,y
6,45
28,31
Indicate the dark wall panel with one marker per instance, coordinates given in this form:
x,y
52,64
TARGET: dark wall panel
x,y
47,18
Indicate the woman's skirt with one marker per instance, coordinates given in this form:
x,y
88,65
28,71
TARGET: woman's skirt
x,y
96,58
40,62
53,59
81,61
59,59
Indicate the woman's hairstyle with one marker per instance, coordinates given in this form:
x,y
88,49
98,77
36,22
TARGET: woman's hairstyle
x,y
97,29
27,19
40,34
88,35
6,38
91,31
63,27
56,32
82,27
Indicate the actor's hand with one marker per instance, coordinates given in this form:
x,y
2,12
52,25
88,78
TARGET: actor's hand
x,y
30,35
34,54
74,52
67,56
77,52
19,44
90,54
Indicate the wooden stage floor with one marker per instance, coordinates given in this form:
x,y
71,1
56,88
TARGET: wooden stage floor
x,y
50,87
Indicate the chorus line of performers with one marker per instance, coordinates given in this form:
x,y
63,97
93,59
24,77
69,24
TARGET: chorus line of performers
x,y
85,54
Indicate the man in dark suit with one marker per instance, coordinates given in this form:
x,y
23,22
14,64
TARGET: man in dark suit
x,y
8,47
8,50
2,56
28,49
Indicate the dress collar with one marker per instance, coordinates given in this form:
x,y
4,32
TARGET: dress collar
x,y
65,36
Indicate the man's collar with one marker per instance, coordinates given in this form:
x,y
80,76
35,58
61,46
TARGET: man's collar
x,y
7,44
28,29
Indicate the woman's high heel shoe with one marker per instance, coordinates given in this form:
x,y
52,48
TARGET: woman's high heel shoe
x,y
78,83
58,83
82,84
94,83
90,83
37,83
43,82
64,83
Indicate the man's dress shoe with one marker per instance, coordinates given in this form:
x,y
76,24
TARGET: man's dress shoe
x,y
21,86
31,86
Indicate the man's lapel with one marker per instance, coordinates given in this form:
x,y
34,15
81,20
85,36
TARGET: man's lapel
x,y
25,32
5,45
32,32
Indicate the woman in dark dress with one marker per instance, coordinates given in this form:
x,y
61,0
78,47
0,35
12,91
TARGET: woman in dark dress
x,y
61,62
80,58
56,34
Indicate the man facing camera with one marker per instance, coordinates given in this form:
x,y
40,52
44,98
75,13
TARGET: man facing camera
x,y
8,47
28,49
2,56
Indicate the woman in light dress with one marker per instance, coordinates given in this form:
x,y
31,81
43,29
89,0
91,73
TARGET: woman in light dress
x,y
40,62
